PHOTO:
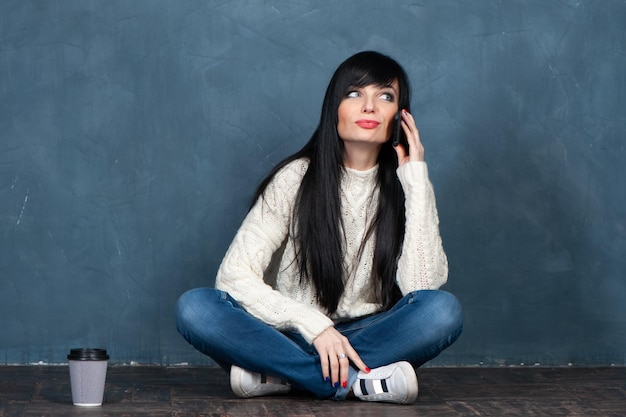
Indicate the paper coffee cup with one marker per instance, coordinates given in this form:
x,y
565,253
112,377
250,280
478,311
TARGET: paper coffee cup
x,y
88,369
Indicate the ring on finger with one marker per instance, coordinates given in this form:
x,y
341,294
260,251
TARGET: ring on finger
x,y
341,356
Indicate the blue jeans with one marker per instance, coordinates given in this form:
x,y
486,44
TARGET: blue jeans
x,y
419,327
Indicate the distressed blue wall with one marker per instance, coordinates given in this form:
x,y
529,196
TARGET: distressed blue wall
x,y
132,134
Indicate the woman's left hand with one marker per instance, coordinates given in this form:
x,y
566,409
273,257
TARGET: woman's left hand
x,y
416,149
336,353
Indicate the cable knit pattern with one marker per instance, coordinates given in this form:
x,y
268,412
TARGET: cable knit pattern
x,y
289,305
423,263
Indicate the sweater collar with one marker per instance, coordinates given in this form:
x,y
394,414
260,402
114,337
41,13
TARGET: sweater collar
x,y
367,176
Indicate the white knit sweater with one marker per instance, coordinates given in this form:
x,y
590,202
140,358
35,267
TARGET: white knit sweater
x,y
286,304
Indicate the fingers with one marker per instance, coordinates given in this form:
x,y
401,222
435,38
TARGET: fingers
x,y
338,360
344,366
336,353
333,359
329,345
416,149
325,364
356,361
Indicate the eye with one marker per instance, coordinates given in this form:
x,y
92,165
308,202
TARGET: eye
x,y
388,97
353,94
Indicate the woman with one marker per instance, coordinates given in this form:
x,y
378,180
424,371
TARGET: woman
x,y
354,305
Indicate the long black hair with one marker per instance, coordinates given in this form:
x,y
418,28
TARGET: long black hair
x,y
317,214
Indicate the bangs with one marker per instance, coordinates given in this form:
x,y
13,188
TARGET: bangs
x,y
360,70
361,77
369,68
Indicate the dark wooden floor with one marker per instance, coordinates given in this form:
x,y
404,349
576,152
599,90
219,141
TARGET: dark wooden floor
x,y
160,391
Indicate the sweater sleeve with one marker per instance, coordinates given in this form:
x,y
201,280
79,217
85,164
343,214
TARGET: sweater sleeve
x,y
262,232
423,263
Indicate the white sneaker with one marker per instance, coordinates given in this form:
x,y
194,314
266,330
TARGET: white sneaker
x,y
248,384
395,383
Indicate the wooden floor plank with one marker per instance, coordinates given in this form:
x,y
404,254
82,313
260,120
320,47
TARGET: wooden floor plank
x,y
154,391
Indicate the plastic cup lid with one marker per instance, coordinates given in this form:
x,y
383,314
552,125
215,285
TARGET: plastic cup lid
x,y
88,354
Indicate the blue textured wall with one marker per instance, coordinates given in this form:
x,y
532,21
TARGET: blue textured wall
x,y
132,134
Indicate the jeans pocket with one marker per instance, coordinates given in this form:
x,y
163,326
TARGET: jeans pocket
x,y
227,298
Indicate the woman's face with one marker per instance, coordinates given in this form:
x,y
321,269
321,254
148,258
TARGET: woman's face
x,y
367,113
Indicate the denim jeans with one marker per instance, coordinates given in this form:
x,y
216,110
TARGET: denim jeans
x,y
419,327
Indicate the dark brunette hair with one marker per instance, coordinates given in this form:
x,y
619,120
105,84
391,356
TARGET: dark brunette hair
x,y
317,214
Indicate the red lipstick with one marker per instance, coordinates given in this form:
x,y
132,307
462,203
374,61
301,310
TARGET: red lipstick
x,y
367,123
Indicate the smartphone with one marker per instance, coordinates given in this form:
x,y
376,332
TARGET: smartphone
x,y
399,138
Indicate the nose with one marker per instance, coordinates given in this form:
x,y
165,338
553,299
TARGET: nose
x,y
368,104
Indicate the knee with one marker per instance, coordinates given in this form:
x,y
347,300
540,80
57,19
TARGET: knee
x,y
449,313
444,311
191,305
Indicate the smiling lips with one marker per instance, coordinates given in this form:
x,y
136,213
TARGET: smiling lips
x,y
367,123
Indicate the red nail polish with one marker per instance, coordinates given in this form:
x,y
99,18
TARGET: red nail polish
x,y
367,370
344,384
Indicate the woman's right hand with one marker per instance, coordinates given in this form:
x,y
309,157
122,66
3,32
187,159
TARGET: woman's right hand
x,y
336,353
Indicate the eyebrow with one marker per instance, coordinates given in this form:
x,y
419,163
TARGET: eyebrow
x,y
390,87
379,86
